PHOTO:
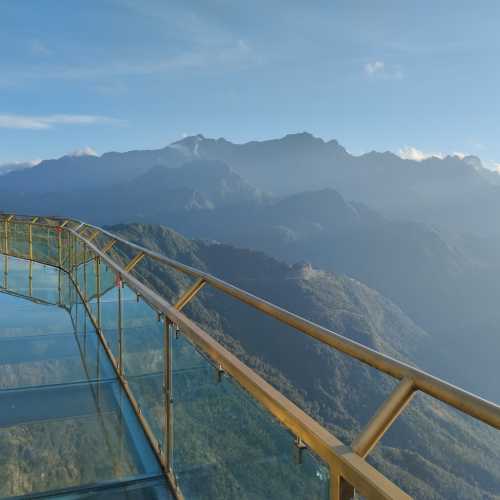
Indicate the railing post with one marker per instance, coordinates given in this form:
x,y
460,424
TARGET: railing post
x,y
98,289
340,489
384,417
30,241
120,326
59,246
30,278
189,294
6,271
85,295
167,391
7,220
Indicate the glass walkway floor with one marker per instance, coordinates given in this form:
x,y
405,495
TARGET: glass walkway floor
x,y
67,430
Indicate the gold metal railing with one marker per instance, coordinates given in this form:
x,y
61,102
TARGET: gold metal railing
x,y
348,469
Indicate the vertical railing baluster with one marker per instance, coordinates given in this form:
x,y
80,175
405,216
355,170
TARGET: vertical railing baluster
x,y
30,241
167,390
98,289
340,489
334,484
7,235
85,295
30,278
6,272
120,325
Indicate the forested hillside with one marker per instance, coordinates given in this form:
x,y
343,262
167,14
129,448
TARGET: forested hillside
x,y
432,451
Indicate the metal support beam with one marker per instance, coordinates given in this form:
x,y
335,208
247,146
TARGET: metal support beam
x,y
189,294
98,288
134,261
108,246
94,235
383,419
167,391
120,325
30,241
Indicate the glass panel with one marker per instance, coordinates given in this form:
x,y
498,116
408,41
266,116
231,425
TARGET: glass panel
x,y
45,283
18,239
110,321
20,317
70,435
143,358
90,284
18,276
52,359
224,440
142,336
148,489
40,244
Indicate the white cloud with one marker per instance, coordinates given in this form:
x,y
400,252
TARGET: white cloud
x,y
38,48
411,153
49,121
374,67
86,151
378,69
492,165
237,54
7,167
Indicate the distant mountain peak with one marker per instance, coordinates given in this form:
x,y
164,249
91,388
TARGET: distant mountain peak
x,y
189,144
473,161
303,136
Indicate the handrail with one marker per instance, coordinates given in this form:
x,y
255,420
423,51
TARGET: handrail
x,y
411,378
471,404
348,470
328,447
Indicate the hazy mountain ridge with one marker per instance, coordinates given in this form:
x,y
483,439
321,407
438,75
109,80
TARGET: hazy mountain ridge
x,y
454,192
159,191
451,459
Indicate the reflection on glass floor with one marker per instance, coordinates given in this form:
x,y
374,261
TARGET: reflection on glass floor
x,y
67,430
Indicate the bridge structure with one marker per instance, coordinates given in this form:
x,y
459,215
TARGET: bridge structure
x,y
109,390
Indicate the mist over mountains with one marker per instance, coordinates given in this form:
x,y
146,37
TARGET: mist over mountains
x,y
455,193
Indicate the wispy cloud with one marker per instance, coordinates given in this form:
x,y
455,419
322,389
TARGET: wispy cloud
x,y
7,167
372,68
27,122
239,54
378,69
412,153
86,151
38,48
492,165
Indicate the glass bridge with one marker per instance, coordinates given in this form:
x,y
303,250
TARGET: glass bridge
x,y
107,390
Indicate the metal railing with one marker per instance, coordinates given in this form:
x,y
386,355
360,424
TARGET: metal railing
x,y
349,471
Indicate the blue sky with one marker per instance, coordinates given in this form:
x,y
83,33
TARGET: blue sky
x,y
129,74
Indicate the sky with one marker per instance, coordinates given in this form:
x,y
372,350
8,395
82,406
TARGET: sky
x,y
417,77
